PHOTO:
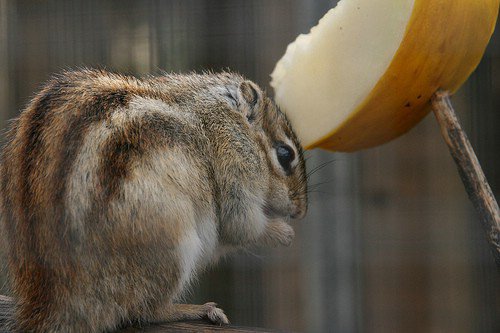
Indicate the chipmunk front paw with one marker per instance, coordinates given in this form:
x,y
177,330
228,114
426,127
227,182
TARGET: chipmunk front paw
x,y
277,233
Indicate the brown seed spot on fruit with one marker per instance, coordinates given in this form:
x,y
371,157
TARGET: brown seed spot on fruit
x,y
408,104
419,96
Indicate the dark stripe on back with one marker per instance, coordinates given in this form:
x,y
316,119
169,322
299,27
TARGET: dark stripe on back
x,y
127,145
97,108
21,158
37,117
75,113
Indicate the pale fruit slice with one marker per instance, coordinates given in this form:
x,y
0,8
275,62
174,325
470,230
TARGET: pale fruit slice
x,y
365,74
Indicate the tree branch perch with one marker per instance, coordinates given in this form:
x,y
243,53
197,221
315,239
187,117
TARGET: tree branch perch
x,y
7,311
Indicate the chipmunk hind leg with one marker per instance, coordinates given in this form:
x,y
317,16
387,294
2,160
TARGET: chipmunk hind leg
x,y
176,312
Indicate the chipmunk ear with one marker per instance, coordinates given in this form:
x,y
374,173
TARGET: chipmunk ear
x,y
250,99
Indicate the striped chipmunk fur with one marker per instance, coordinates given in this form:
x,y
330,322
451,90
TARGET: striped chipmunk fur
x,y
116,191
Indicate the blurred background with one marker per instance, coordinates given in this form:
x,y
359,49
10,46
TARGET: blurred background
x,y
391,242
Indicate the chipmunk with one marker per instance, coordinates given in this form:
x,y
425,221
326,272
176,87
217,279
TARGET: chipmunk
x,y
117,190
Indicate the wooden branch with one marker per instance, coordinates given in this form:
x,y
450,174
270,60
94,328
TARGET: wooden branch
x,y
470,171
7,306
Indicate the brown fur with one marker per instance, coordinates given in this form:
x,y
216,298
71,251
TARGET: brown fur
x,y
115,191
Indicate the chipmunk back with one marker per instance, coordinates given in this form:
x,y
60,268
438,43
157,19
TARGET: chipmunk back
x,y
116,191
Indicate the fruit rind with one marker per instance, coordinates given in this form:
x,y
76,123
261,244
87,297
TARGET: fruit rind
x,y
443,43
425,62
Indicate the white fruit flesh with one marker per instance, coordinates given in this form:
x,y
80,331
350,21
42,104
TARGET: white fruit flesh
x,y
325,74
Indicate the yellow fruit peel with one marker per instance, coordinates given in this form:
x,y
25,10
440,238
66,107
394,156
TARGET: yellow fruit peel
x,y
443,43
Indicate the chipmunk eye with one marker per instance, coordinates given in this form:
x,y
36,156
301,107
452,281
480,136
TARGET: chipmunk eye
x,y
285,155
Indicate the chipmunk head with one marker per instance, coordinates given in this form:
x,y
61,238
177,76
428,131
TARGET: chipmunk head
x,y
287,188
